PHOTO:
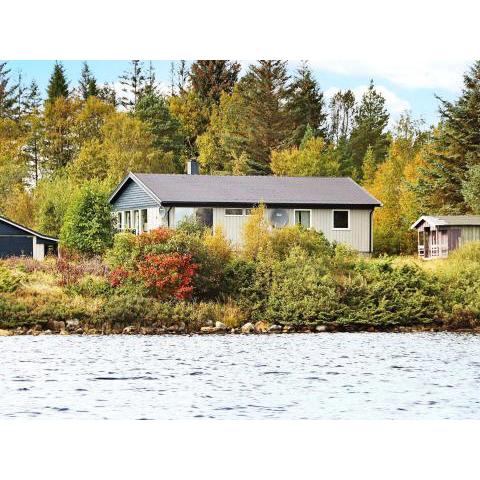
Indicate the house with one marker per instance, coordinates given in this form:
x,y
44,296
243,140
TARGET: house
x,y
439,235
336,206
17,240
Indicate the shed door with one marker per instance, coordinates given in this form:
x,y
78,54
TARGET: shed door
x,y
453,238
16,245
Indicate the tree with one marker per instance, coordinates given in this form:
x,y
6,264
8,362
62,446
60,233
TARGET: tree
x,y
370,122
306,104
153,110
369,167
193,115
342,109
88,223
267,122
456,150
58,85
8,93
471,189
87,84
133,83
151,86
108,94
59,145
313,158
209,78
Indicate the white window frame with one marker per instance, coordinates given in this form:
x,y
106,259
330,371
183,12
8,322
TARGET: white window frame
x,y
303,210
234,215
333,218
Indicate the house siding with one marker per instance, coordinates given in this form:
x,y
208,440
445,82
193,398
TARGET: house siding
x,y
469,234
133,197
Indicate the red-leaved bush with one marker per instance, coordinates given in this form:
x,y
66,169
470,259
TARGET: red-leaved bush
x,y
168,275
154,237
118,276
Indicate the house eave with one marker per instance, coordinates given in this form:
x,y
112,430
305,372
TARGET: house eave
x,y
28,230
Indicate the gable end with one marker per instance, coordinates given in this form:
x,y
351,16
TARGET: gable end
x,y
132,196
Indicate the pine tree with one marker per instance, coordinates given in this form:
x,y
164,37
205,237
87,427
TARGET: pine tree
x,y
268,123
108,94
456,150
370,122
342,110
210,78
306,104
133,82
88,83
58,85
150,81
8,93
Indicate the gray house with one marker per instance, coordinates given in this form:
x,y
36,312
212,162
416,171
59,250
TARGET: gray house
x,y
336,206
19,241
439,235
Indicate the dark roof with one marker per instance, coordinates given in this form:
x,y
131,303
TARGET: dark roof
x,y
28,230
271,190
448,220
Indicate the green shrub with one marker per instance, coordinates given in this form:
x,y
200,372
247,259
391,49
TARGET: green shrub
x,y
123,252
90,286
8,281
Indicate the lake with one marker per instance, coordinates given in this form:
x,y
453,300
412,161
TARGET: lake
x,y
286,376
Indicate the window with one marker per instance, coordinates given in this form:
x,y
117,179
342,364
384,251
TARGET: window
x,y
144,220
136,221
204,216
341,219
119,220
128,222
234,212
302,217
183,214
248,211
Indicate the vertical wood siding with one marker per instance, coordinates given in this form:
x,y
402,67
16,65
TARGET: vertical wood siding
x,y
469,234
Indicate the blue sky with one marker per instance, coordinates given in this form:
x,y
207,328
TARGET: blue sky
x,y
409,86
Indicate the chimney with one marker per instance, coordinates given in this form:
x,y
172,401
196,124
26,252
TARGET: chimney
x,y
192,167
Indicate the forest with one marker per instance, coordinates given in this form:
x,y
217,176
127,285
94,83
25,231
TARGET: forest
x,y
79,138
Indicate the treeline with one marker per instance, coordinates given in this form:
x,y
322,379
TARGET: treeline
x,y
264,122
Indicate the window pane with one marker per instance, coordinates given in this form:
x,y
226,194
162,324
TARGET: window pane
x,y
204,216
302,217
144,220
234,211
127,220
248,211
119,220
183,213
340,219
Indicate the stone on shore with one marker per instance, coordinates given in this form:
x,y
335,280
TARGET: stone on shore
x,y
320,328
5,333
275,328
208,330
72,324
56,325
261,327
287,329
221,327
248,328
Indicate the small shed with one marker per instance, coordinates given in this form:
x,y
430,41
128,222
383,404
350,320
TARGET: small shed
x,y
439,235
19,241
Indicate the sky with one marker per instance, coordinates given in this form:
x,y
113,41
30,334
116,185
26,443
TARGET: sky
x,y
406,86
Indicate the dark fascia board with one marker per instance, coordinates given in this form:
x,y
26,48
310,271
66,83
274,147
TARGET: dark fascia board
x,y
270,205
131,176
28,230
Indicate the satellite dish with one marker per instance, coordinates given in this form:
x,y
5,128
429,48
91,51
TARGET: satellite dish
x,y
279,217
162,211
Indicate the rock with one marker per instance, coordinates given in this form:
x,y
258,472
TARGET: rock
x,y
248,328
208,323
208,330
320,328
72,324
64,332
181,327
261,327
56,325
46,332
287,329
220,326
275,328
129,329
5,333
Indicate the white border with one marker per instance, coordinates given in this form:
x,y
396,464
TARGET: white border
x,y
341,210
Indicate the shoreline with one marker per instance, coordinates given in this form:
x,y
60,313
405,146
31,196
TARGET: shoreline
x,y
56,328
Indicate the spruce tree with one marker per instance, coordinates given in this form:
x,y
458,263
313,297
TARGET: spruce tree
x,y
133,83
457,150
369,129
210,78
58,85
268,123
88,83
369,167
8,93
342,110
306,104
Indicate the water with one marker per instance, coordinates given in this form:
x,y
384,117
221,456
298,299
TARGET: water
x,y
295,376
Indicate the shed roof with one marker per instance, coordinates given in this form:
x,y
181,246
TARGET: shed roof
x,y
27,230
448,220
271,190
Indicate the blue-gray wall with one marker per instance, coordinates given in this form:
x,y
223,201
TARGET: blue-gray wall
x,y
132,196
7,229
